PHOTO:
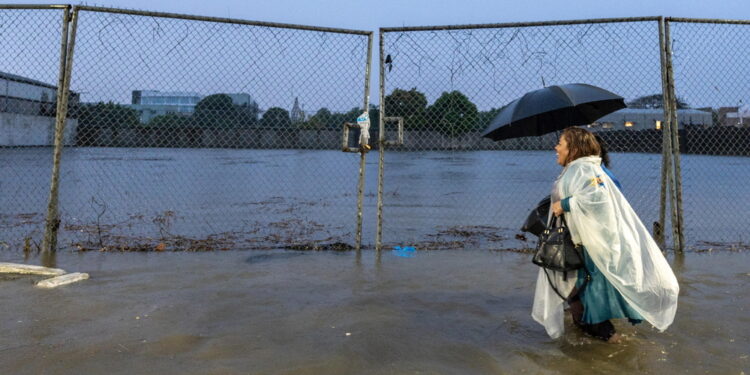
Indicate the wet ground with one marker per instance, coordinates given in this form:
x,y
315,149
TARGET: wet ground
x,y
290,312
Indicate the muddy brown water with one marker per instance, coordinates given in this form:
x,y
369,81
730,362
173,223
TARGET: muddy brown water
x,y
287,312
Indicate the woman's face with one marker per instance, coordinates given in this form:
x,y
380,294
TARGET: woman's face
x,y
562,150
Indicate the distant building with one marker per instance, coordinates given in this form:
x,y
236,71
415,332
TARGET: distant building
x,y
734,116
152,103
27,110
241,99
297,115
649,118
26,96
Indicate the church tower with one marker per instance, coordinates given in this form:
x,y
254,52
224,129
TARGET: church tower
x,y
297,115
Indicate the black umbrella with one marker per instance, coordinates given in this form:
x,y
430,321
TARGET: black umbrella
x,y
552,108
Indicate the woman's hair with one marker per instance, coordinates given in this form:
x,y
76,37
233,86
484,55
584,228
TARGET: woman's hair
x,y
581,143
604,154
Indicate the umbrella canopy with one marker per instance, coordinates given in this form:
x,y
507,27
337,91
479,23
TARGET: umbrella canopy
x,y
552,108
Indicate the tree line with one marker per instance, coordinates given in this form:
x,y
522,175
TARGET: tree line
x,y
451,114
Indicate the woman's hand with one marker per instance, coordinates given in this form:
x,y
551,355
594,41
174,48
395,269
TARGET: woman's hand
x,y
557,209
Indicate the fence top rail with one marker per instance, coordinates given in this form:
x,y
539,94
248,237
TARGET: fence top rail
x,y
34,6
218,19
519,24
708,20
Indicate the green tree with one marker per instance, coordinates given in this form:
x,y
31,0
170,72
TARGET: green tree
x,y
338,119
352,115
170,120
486,117
247,114
276,117
453,114
654,101
411,105
107,114
215,110
374,118
320,120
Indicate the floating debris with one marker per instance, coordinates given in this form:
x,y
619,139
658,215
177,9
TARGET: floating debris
x,y
404,252
27,269
62,280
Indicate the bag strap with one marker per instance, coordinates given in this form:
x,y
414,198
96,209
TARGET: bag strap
x,y
553,220
550,220
580,290
563,223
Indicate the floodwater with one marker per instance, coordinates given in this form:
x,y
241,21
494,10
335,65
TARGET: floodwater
x,y
287,312
233,197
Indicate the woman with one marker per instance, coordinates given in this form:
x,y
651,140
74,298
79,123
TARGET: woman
x,y
629,277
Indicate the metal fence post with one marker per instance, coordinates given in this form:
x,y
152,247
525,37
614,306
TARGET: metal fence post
x,y
381,147
670,118
666,183
449,82
49,243
680,240
363,151
279,64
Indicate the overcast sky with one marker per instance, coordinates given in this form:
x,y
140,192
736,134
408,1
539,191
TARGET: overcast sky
x,y
370,15
702,82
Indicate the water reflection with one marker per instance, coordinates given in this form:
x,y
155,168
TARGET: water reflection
x,y
49,259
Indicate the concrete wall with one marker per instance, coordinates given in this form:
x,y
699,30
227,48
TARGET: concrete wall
x,y
27,130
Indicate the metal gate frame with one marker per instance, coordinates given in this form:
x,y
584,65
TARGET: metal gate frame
x,y
670,173
671,179
66,65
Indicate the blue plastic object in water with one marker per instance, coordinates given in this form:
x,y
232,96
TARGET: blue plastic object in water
x,y
404,252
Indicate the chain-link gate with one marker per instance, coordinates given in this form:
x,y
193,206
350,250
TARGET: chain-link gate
x,y
187,132
712,80
447,187
32,48
200,133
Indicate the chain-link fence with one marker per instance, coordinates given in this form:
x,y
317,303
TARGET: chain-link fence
x,y
712,76
448,187
30,59
195,133
200,133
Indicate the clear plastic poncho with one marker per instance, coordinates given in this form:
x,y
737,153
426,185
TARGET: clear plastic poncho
x,y
618,243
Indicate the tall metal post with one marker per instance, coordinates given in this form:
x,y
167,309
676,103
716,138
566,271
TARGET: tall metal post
x,y
666,154
363,151
69,24
381,147
668,98
680,240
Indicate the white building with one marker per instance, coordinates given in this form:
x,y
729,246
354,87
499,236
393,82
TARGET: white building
x,y
297,114
152,103
735,116
27,109
27,96
649,118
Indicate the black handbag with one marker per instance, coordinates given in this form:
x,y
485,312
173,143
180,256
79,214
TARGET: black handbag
x,y
556,250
